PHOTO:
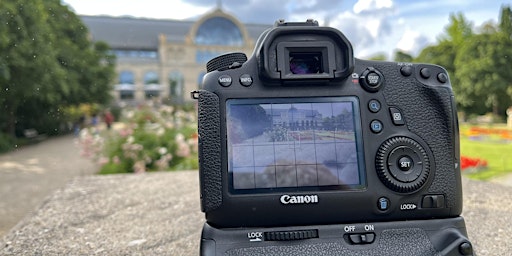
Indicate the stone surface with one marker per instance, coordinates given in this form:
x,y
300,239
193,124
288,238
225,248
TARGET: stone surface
x,y
159,214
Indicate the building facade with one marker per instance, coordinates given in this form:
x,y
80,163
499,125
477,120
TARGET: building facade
x,y
166,59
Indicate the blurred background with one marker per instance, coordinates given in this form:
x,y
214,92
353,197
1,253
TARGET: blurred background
x,y
108,81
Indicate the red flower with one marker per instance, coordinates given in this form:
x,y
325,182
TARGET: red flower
x,y
468,162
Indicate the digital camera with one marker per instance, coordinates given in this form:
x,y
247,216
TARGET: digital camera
x,y
302,140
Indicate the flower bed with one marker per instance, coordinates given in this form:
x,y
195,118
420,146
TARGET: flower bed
x,y
146,139
477,133
469,164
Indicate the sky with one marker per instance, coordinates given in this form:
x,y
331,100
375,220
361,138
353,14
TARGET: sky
x,y
372,26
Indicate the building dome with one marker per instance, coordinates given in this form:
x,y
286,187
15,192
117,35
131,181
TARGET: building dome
x,y
219,31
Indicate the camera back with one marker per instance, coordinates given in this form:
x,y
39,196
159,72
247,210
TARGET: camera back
x,y
303,133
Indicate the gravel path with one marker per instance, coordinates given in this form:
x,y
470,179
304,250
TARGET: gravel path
x,y
32,173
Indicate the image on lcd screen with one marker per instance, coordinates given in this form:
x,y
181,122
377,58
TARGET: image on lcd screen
x,y
293,144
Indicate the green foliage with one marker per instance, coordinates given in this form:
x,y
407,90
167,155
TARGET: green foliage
x,y
47,63
379,56
479,64
483,71
402,57
7,142
458,30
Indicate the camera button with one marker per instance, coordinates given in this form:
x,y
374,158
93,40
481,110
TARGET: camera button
x,y
442,78
383,204
246,80
425,73
406,71
371,80
405,163
374,106
376,126
225,80
396,116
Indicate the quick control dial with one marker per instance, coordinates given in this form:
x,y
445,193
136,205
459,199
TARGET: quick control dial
x,y
402,164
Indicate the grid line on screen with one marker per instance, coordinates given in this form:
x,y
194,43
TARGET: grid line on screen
x,y
299,144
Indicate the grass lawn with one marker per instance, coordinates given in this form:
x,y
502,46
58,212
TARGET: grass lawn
x,y
490,147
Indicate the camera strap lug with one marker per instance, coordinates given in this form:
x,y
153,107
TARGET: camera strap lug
x,y
194,95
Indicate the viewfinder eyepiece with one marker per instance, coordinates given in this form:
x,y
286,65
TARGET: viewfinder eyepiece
x,y
306,63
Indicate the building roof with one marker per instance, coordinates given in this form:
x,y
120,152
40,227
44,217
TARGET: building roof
x,y
143,33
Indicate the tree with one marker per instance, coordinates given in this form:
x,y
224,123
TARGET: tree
x,y
484,73
89,68
458,30
47,63
29,65
484,68
505,25
403,57
379,57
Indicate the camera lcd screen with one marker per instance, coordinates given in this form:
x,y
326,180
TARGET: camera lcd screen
x,y
290,143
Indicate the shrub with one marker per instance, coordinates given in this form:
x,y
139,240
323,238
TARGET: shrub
x,y
147,140
7,142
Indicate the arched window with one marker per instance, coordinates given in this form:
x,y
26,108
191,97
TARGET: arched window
x,y
126,77
176,83
126,86
151,77
219,31
151,85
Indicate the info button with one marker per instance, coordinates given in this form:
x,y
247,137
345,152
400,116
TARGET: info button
x,y
246,80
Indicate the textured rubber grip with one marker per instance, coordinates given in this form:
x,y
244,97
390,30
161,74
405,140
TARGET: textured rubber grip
x,y
210,151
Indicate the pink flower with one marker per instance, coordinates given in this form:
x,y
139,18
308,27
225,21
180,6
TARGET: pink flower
x,y
183,149
139,167
103,160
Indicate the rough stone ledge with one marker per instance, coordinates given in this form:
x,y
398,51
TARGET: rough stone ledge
x,y
159,214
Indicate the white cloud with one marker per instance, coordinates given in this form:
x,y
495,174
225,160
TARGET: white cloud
x,y
373,26
148,8
363,6
412,42
368,27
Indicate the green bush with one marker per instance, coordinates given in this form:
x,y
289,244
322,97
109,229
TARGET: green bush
x,y
7,142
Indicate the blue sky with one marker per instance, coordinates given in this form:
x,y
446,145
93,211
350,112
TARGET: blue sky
x,y
373,26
